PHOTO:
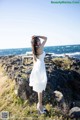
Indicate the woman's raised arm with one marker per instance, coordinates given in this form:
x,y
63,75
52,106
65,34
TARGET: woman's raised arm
x,y
44,38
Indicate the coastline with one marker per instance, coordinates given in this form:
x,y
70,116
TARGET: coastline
x,y
61,51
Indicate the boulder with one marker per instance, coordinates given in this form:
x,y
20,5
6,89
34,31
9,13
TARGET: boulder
x,y
74,113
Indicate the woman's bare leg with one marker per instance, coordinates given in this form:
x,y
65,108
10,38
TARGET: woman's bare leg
x,y
40,100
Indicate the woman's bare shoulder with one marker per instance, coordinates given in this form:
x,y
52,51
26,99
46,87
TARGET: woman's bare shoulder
x,y
40,49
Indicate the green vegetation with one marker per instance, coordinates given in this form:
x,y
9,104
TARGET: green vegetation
x,y
64,63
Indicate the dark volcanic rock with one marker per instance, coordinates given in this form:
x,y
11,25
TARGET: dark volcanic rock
x,y
74,112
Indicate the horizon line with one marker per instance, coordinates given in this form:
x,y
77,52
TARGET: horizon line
x,y
44,46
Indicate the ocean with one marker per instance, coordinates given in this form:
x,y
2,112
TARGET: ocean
x,y
70,50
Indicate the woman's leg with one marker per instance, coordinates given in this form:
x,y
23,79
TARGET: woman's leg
x,y
40,100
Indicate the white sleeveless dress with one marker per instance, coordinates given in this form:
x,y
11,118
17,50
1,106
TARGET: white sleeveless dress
x,y
38,77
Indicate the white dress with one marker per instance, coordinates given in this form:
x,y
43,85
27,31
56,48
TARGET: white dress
x,y
38,77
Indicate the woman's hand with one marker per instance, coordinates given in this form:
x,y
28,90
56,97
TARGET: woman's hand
x,y
43,37
33,36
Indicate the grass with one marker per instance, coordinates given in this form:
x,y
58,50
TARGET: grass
x,y
63,62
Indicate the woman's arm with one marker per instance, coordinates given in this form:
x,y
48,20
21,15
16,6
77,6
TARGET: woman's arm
x,y
44,38
34,58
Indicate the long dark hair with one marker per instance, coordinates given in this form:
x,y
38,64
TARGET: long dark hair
x,y
35,47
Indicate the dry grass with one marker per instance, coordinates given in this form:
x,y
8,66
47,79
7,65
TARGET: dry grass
x,y
63,62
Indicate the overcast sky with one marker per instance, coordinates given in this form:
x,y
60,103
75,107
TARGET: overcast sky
x,y
20,19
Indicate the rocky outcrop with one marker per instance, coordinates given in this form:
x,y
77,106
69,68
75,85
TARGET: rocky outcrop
x,y
63,75
75,113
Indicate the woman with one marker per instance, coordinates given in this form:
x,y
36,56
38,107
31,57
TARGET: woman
x,y
38,77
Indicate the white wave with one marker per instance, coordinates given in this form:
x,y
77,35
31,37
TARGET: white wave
x,y
72,54
69,54
28,53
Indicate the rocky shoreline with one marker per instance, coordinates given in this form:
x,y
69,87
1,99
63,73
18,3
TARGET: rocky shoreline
x,y
63,86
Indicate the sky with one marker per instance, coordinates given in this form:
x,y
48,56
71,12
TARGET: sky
x,y
20,19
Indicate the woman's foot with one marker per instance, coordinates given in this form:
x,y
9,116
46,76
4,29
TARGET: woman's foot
x,y
41,109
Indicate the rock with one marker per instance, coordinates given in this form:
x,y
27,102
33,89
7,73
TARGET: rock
x,y
11,75
59,98
74,84
74,112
